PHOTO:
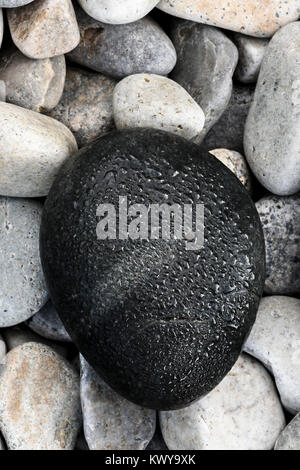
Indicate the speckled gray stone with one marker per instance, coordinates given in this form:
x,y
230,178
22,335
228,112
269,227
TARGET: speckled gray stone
x,y
2,348
110,421
242,413
141,46
48,324
253,17
289,439
44,28
272,137
13,3
86,105
153,101
228,132
251,53
205,65
39,400
275,341
34,84
237,164
22,286
32,149
116,12
280,218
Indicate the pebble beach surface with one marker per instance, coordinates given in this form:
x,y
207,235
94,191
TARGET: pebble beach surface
x,y
149,225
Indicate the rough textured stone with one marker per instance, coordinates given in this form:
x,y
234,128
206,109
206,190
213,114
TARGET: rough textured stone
x,y
275,341
22,286
272,137
242,413
2,348
228,132
281,225
137,47
32,149
39,400
251,53
236,163
110,421
13,3
44,28
86,105
145,312
33,84
251,17
289,439
147,100
48,324
116,12
206,60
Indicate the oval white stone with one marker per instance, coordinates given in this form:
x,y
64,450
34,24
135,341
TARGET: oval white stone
x,y
116,12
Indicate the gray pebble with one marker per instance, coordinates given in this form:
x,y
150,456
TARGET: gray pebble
x,y
272,137
86,105
47,323
280,218
110,421
39,400
2,348
251,53
34,84
289,439
236,163
22,285
228,132
141,46
206,60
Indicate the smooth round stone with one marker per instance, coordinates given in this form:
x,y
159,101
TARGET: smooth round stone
x,y
137,47
251,17
86,105
144,312
116,12
147,100
251,53
228,132
2,348
47,323
272,137
242,413
110,421
39,400
34,84
236,163
22,285
206,60
32,149
275,341
44,28
281,225
289,439
13,3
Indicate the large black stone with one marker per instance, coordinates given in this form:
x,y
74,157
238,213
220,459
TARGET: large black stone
x,y
161,324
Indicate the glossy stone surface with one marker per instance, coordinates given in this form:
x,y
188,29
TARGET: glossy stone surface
x,y
160,323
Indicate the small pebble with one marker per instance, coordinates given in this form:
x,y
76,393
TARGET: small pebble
x,y
32,149
44,28
289,439
256,18
147,100
275,341
280,218
137,47
242,413
116,12
251,53
22,285
205,65
86,105
33,84
272,137
39,400
47,323
110,421
236,163
2,348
